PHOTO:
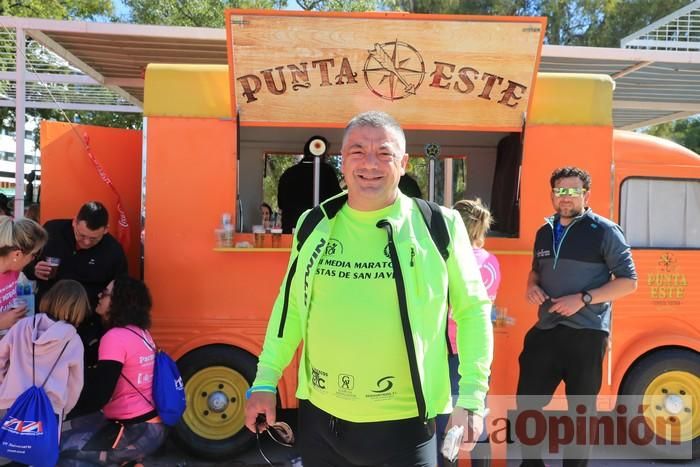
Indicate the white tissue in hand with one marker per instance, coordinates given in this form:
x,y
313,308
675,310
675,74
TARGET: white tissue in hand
x,y
453,439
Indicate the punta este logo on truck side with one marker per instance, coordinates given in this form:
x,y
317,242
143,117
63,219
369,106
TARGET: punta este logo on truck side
x,y
392,70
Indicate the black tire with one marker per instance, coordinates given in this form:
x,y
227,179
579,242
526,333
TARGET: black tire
x,y
669,362
212,374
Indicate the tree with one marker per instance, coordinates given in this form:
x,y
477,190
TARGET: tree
x,y
52,9
622,18
684,132
57,9
599,23
202,13
339,5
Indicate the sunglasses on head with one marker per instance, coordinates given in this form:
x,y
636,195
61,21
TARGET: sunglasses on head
x,y
560,192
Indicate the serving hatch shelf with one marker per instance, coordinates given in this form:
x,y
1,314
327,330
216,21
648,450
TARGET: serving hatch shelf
x,y
253,250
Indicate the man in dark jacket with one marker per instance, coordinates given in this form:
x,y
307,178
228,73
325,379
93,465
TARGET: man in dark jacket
x,y
581,263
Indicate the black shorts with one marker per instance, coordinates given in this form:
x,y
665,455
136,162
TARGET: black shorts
x,y
330,442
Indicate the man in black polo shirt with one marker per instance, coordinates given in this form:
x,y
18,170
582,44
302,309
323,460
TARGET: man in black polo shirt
x,y
89,255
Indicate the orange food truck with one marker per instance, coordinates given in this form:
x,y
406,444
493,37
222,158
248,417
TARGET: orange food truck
x,y
214,135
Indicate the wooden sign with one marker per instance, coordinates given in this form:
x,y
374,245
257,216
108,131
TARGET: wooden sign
x,y
427,71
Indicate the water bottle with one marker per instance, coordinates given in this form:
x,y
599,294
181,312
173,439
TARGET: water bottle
x,y
227,230
277,230
25,296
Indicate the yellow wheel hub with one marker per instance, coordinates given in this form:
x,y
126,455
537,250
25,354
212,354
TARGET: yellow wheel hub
x,y
216,402
674,397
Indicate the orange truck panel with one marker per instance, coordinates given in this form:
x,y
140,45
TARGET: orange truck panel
x,y
69,178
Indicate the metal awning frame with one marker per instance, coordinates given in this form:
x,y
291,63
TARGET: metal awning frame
x,y
39,30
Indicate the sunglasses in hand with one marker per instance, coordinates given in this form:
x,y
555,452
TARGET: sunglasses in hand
x,y
280,432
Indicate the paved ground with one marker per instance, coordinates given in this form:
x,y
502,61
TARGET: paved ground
x,y
172,456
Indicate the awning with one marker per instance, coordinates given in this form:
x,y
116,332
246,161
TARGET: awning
x,y
651,86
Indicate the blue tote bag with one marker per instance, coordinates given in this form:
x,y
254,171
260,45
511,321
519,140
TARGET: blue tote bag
x,y
168,390
29,430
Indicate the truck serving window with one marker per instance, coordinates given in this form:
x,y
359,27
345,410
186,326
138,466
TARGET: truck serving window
x,y
647,204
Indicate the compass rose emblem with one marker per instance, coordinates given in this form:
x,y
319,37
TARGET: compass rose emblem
x,y
394,70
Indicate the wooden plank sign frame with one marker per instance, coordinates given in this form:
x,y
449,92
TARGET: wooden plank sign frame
x,y
428,71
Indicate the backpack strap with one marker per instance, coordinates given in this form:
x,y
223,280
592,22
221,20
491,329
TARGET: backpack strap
x,y
152,347
151,403
435,221
33,367
308,225
155,350
405,321
53,367
330,208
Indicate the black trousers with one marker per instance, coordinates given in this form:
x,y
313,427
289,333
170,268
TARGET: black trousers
x,y
550,356
327,441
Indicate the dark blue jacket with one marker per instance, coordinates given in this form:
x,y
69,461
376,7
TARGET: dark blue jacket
x,y
592,249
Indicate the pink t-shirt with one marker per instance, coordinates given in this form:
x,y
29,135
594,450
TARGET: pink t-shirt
x,y
8,289
122,345
490,276
490,271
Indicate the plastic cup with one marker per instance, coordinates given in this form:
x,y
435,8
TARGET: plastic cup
x,y
54,262
502,318
259,236
220,235
228,236
276,237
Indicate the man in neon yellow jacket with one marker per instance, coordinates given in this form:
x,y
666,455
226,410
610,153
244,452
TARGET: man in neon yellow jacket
x,y
367,292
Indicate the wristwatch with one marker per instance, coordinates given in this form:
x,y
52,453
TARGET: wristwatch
x,y
586,297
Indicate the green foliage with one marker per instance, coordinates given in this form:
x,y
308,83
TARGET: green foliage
x,y
684,132
466,7
57,9
202,13
622,18
275,165
599,23
339,5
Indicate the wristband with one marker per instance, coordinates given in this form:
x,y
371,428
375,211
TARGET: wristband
x,y
261,388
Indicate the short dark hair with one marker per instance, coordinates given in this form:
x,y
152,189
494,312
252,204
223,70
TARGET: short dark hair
x,y
566,172
377,119
94,214
130,304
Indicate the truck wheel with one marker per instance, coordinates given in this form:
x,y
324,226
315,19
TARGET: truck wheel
x,y
667,383
216,379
